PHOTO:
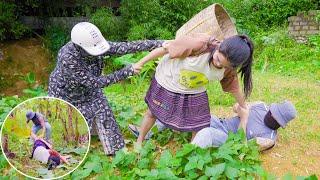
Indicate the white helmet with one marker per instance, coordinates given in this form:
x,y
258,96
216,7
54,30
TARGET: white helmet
x,y
89,37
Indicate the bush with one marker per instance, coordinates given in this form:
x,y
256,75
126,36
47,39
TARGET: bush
x,y
10,27
279,53
158,19
111,26
55,38
256,15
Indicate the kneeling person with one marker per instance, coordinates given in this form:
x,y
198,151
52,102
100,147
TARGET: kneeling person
x,y
262,124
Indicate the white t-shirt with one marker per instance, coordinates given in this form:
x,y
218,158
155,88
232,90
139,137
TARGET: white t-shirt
x,y
41,154
187,76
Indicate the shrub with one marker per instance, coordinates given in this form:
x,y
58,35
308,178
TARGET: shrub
x,y
158,19
279,53
55,38
10,27
111,26
256,15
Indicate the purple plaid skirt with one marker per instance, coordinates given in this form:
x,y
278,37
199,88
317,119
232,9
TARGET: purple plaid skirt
x,y
182,112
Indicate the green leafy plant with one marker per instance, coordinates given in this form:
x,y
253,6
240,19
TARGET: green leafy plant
x,y
55,37
10,27
29,78
235,159
33,90
111,26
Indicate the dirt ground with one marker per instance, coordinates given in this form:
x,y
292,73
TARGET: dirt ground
x,y
19,58
298,161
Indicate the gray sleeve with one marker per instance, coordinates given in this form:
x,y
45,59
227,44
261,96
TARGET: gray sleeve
x,y
82,76
120,48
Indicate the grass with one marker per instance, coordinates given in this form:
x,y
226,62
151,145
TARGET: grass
x,y
297,140
301,133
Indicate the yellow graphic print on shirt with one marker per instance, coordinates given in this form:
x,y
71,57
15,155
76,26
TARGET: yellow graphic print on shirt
x,y
192,79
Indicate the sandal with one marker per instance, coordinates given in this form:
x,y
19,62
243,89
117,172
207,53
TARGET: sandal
x,y
135,130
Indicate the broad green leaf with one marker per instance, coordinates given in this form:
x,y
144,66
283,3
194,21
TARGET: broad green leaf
x,y
215,170
204,177
96,167
143,163
312,177
120,156
166,173
192,174
176,162
231,172
79,174
186,149
200,164
165,159
192,164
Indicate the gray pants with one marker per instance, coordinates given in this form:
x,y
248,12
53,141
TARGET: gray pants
x,y
210,137
101,119
206,137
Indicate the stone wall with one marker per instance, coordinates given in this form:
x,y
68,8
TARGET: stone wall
x,y
304,24
34,22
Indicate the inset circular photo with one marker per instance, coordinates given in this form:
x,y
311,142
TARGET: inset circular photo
x,y
45,138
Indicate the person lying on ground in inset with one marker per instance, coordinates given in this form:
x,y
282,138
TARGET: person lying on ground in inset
x,y
177,95
262,122
44,152
39,123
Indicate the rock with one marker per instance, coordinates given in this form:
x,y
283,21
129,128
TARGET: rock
x,y
301,39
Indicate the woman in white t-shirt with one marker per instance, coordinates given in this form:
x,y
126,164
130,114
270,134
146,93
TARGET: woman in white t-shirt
x,y
177,95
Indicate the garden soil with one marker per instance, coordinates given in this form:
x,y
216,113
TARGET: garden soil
x,y
20,58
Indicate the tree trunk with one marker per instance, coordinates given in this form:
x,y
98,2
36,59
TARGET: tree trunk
x,y
64,123
77,130
71,130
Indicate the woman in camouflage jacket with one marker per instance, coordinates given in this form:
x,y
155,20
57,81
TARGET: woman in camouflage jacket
x,y
77,78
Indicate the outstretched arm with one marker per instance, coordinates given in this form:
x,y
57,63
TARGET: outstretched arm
x,y
49,145
55,153
230,84
238,95
243,113
121,48
42,123
81,75
156,53
33,136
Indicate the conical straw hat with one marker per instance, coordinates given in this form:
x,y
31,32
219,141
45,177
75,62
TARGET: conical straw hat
x,y
213,20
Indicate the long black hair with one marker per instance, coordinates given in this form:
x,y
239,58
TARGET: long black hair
x,y
239,52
